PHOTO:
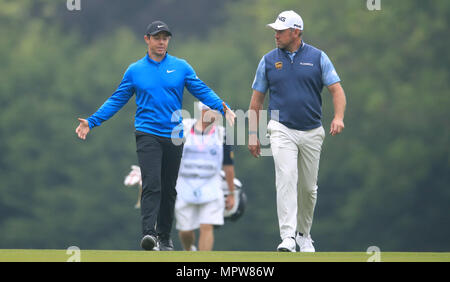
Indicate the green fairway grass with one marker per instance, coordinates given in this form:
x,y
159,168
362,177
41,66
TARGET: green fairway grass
x,y
180,256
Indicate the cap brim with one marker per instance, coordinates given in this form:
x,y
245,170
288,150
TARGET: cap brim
x,y
277,26
159,31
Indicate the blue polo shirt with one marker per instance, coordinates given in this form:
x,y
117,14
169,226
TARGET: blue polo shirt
x,y
159,95
295,82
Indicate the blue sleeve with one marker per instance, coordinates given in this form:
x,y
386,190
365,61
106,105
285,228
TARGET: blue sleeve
x,y
329,74
201,91
260,82
118,99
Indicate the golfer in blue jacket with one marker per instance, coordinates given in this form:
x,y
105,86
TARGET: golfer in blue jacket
x,y
158,80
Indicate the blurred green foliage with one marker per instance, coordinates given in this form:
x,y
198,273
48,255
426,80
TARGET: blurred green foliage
x,y
384,181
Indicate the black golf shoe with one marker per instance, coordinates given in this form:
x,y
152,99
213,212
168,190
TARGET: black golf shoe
x,y
148,243
165,243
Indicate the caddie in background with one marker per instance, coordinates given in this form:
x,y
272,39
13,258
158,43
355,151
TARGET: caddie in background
x,y
295,73
158,80
200,199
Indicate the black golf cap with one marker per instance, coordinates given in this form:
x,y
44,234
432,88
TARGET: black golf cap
x,y
156,27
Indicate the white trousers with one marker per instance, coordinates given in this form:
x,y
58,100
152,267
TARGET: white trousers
x,y
296,156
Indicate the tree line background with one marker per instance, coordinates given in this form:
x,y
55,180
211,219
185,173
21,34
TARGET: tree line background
x,y
384,181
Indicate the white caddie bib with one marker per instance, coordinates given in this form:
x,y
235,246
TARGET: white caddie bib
x,y
199,179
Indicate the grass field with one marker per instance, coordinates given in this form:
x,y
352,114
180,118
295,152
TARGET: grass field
x,y
179,256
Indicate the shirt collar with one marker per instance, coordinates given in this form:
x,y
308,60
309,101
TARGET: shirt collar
x,y
295,52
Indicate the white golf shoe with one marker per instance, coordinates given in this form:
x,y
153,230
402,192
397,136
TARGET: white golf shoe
x,y
305,243
288,245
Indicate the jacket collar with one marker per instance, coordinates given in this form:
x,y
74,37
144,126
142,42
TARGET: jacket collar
x,y
153,61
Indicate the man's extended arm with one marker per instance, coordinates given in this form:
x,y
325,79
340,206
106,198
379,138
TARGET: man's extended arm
x,y
114,103
206,95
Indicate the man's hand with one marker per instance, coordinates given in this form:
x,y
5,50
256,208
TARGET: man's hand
x,y
229,201
229,114
82,129
254,146
337,125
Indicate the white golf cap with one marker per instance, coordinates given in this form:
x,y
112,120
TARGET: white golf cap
x,y
202,106
287,19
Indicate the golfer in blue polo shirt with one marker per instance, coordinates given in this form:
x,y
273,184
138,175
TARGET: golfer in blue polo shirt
x,y
294,74
158,80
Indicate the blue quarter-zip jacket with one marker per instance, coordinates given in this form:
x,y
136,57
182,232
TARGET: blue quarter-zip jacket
x,y
159,94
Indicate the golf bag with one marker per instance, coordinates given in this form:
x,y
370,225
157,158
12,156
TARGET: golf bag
x,y
240,199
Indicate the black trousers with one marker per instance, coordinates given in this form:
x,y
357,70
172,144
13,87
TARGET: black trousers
x,y
159,159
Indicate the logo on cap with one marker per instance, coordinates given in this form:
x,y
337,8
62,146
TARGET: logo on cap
x,y
156,27
287,19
